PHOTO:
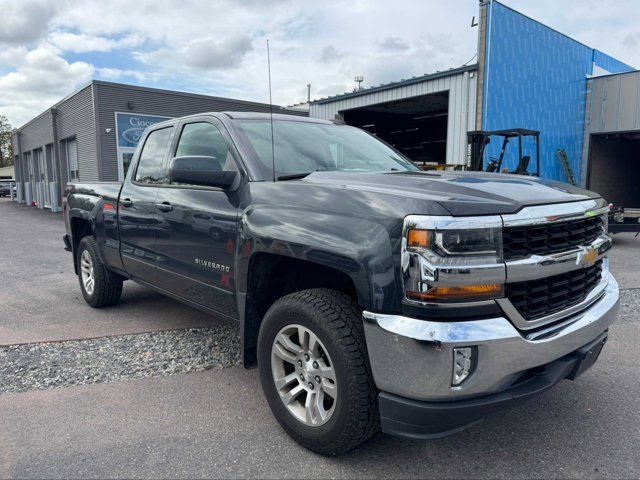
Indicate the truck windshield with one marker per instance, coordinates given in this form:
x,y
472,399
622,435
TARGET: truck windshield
x,y
304,147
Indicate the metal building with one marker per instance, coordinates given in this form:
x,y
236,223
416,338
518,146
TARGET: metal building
x,y
91,135
426,117
611,153
527,75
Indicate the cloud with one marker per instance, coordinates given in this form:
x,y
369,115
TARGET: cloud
x,y
206,54
25,21
39,80
218,47
330,54
394,44
112,74
82,42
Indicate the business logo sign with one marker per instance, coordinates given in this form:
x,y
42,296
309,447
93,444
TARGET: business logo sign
x,y
131,126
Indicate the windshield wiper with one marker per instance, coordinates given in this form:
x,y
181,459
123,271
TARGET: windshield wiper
x,y
294,176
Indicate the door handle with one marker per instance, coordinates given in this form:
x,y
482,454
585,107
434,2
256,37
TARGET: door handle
x,y
126,202
164,206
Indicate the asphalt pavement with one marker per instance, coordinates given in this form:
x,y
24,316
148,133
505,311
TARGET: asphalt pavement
x,y
217,424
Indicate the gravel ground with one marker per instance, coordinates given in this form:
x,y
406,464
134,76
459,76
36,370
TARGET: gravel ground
x,y
629,305
36,366
61,364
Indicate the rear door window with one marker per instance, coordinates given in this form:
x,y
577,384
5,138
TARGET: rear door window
x,y
151,164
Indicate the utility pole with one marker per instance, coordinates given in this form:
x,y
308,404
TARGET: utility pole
x,y
359,79
308,93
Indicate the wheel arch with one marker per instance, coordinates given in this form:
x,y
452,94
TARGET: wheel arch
x,y
272,276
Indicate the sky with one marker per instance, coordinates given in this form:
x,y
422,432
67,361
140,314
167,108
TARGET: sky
x,y
49,48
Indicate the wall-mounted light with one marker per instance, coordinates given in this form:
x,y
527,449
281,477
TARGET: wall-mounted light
x,y
108,130
130,105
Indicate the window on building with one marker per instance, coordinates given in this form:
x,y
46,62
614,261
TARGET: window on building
x,y
71,153
151,164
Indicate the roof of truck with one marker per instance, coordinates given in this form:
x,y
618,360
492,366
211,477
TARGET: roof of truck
x,y
276,116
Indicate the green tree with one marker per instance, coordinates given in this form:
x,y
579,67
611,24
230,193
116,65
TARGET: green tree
x,y
6,145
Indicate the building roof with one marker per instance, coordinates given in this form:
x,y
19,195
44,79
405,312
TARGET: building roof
x,y
128,86
400,83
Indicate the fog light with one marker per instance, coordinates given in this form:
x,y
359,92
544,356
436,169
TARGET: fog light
x,y
464,360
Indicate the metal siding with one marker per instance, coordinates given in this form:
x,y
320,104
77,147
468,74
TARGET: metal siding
x,y
113,98
37,133
75,119
629,92
535,78
461,112
613,105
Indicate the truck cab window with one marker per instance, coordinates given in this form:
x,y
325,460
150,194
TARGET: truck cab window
x,y
151,164
203,138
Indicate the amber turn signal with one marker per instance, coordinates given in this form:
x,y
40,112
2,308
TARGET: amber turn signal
x,y
465,292
418,238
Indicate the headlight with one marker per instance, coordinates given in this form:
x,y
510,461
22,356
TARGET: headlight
x,y
447,259
448,243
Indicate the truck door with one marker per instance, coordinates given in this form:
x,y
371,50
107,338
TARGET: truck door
x,y
197,249
137,214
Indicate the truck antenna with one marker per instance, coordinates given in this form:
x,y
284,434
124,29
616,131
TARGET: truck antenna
x,y
273,148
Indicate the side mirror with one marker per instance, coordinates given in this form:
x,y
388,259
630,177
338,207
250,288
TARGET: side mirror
x,y
200,170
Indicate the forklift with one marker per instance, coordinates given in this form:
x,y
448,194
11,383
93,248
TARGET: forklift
x,y
478,141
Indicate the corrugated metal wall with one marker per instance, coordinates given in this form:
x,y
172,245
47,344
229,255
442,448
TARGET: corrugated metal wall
x,y
613,105
113,98
461,114
75,119
535,77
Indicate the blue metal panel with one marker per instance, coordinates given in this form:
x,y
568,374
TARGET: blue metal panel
x,y
535,77
610,64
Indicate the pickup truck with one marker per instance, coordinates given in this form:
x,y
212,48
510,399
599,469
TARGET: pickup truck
x,y
370,294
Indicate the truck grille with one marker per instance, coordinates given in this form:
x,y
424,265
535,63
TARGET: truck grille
x,y
522,242
538,298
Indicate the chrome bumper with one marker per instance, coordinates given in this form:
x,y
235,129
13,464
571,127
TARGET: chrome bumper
x,y
413,358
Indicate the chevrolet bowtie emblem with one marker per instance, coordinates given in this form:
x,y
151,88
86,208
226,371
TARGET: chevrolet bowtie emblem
x,y
587,257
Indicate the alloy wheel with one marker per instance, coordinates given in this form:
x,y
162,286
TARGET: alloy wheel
x,y
304,375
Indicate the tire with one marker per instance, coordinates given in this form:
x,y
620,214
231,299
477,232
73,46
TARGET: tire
x,y
107,286
335,319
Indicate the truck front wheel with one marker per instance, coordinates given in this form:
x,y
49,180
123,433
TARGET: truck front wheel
x,y
99,286
315,372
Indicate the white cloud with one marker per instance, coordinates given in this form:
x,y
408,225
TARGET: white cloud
x,y
26,21
83,42
205,54
218,47
39,80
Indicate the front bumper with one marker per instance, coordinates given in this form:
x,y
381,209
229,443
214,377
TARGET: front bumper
x,y
413,358
410,418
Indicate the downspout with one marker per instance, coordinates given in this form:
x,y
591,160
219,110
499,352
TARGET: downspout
x,y
56,154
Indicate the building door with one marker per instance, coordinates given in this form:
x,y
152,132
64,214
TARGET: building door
x,y
196,250
71,153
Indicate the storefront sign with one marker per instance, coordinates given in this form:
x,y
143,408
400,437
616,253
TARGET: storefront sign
x,y
130,126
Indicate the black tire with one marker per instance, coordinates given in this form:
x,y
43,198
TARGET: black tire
x,y
337,322
107,285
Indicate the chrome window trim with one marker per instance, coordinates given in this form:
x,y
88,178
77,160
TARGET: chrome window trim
x,y
554,213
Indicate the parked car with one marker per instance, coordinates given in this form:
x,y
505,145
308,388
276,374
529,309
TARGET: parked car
x,y
5,188
370,294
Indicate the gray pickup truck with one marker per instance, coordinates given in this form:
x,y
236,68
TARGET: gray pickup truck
x,y
371,295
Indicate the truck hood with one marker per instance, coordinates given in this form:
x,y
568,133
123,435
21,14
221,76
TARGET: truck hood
x,y
460,193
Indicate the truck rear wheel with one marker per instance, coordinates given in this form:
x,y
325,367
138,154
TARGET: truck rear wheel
x,y
315,372
99,286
